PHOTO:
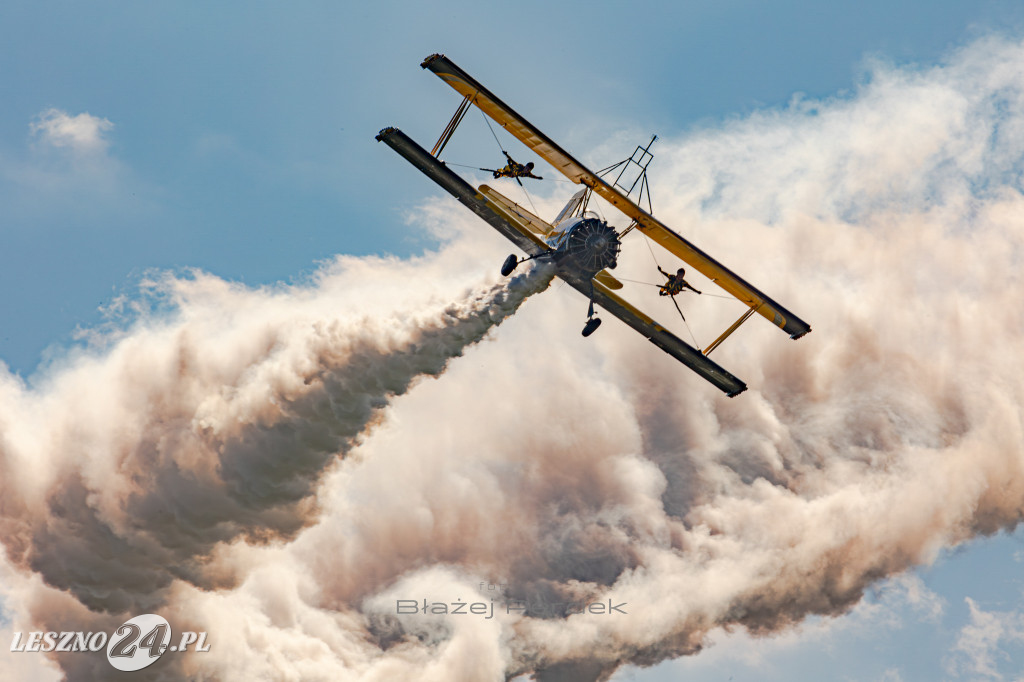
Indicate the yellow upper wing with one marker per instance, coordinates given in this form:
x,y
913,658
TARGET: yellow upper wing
x,y
646,223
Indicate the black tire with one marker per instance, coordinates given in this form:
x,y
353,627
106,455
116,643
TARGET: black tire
x,y
591,326
509,265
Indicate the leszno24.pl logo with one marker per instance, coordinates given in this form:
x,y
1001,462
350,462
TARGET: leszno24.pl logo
x,y
139,642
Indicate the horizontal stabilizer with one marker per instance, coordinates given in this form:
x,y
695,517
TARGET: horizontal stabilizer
x,y
607,280
529,220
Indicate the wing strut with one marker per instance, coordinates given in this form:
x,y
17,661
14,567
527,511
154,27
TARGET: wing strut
x,y
735,325
449,130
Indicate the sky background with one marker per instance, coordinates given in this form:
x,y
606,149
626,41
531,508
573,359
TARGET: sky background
x,y
239,139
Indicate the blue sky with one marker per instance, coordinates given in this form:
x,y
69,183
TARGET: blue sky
x,y
238,138
243,132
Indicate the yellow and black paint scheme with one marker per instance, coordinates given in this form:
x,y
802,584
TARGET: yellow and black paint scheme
x,y
543,240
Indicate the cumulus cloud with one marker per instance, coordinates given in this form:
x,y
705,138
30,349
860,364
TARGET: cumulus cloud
x,y
81,133
273,465
980,647
69,175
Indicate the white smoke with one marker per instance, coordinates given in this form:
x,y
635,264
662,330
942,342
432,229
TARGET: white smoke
x,y
192,469
128,468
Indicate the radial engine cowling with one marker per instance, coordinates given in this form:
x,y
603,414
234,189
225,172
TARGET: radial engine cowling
x,y
593,244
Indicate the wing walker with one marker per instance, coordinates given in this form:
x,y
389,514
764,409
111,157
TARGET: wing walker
x,y
578,242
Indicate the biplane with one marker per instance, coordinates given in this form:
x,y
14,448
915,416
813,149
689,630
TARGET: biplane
x,y
582,245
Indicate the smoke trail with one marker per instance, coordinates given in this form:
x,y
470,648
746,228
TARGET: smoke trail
x,y
190,448
545,469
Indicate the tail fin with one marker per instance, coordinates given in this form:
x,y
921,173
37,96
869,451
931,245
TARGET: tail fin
x,y
571,207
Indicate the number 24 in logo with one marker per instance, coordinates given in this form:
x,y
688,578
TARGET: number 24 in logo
x,y
142,640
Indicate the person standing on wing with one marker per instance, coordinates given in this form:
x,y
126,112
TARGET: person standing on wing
x,y
675,284
514,170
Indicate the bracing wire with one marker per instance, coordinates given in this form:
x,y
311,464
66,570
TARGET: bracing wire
x,y
492,131
683,317
529,199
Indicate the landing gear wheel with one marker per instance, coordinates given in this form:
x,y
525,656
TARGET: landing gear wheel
x,y
509,265
591,326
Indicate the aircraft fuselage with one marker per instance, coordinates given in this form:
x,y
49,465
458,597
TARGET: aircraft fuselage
x,y
584,245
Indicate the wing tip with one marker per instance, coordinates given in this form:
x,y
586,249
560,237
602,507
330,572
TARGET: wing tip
x,y
431,59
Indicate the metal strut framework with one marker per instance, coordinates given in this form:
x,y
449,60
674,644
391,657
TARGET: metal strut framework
x,y
641,158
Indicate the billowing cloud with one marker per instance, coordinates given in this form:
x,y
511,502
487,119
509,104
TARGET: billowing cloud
x,y
273,466
883,616
81,133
